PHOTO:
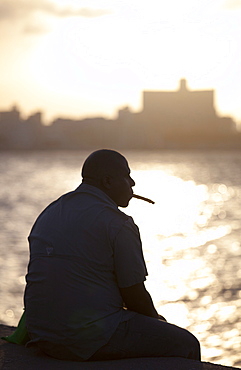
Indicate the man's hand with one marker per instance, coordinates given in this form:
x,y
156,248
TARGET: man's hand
x,y
137,299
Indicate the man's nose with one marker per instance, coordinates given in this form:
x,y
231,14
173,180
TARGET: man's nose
x,y
132,182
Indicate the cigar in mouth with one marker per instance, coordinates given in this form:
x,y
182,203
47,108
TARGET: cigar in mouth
x,y
143,198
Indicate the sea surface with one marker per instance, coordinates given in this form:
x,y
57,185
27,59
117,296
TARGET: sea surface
x,y
191,235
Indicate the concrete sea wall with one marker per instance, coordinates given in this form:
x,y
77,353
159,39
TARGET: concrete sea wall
x,y
15,357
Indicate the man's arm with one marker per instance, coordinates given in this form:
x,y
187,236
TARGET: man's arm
x,y
137,299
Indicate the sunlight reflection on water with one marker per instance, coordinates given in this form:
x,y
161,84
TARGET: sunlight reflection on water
x,y
191,235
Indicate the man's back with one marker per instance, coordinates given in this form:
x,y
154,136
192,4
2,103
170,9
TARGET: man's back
x,y
72,293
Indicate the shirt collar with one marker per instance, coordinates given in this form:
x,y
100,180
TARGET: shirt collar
x,y
90,189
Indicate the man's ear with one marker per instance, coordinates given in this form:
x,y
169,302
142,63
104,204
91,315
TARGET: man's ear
x,y
106,181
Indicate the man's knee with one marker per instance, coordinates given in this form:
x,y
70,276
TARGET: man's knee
x,y
196,352
193,346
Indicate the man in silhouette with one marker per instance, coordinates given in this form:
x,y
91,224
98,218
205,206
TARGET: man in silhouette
x,y
85,297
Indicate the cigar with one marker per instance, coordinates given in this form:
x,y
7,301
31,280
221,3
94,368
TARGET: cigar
x,y
143,198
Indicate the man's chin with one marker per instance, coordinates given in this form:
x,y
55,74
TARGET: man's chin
x,y
124,204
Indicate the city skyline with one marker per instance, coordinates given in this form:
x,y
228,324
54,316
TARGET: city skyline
x,y
180,119
88,58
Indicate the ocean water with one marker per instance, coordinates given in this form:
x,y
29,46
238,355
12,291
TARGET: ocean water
x,y
191,235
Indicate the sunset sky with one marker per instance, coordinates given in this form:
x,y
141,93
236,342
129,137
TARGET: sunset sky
x,y
78,58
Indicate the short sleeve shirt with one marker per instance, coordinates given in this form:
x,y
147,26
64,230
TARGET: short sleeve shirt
x,y
82,250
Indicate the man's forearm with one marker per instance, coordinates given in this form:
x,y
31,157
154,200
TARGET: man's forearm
x,y
138,299
146,307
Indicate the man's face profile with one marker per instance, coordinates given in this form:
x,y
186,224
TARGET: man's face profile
x,y
121,184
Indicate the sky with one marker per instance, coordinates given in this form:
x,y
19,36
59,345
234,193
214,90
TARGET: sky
x,y
88,58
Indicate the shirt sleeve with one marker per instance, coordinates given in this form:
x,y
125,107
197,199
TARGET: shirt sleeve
x,y
129,263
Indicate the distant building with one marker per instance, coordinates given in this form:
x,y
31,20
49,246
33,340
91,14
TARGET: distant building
x,y
17,133
9,127
183,116
180,104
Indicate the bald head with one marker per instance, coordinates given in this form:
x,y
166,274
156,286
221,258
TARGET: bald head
x,y
100,163
108,170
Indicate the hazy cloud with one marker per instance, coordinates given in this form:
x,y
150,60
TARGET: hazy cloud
x,y
36,29
233,4
12,9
